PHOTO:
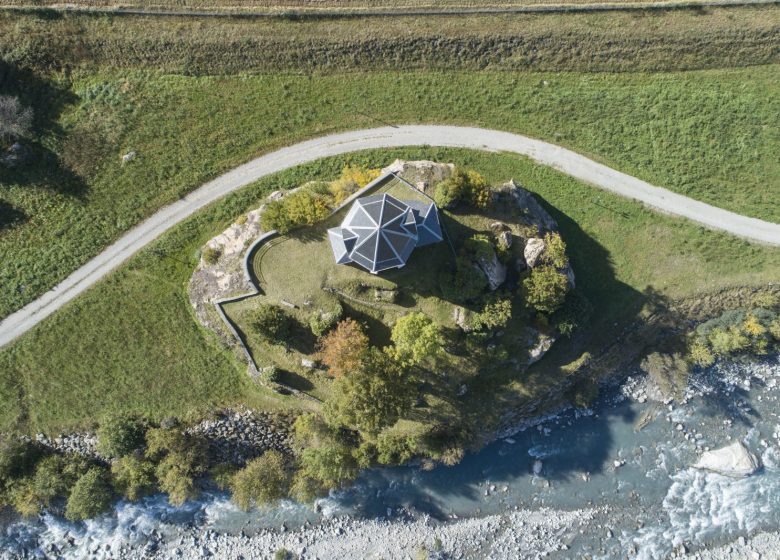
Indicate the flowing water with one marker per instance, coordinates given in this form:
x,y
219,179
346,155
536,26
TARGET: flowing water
x,y
628,458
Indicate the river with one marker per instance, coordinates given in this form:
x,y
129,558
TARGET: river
x,y
600,483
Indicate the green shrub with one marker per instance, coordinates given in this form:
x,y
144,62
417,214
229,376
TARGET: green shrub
x,y
366,454
449,192
479,247
283,554
222,475
700,353
18,459
133,477
545,289
270,374
575,312
263,480
211,254
270,322
91,495
310,430
584,393
120,435
478,190
464,284
322,321
495,315
555,250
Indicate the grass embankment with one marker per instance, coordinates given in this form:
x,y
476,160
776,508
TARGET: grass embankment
x,y
705,134
603,42
131,343
311,6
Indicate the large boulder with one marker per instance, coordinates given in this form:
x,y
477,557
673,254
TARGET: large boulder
x,y
493,269
732,460
534,249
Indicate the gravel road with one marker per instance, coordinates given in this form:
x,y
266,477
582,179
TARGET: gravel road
x,y
564,160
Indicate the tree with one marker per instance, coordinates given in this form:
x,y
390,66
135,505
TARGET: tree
x,y
416,337
270,322
133,476
90,496
262,481
342,348
18,459
546,288
180,458
56,475
327,467
120,434
372,396
15,120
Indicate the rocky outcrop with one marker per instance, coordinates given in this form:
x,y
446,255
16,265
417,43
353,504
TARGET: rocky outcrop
x,y
535,214
495,272
423,174
84,444
540,344
732,460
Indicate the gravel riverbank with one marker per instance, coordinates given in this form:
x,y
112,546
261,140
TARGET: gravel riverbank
x,y
517,534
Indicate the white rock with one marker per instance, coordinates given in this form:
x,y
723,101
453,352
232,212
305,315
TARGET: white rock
x,y
732,460
534,248
537,468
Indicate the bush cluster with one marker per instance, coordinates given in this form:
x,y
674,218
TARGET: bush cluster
x,y
300,208
270,322
734,333
546,288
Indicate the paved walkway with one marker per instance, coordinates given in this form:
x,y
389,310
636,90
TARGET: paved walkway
x,y
559,158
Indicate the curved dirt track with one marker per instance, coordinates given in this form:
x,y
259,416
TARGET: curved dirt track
x,y
564,160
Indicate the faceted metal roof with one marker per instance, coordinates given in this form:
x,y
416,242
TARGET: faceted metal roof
x,y
380,232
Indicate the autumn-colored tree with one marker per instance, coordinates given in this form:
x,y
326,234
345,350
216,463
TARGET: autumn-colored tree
x,y
342,348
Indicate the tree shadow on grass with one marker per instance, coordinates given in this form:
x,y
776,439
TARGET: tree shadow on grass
x,y
48,100
10,216
294,380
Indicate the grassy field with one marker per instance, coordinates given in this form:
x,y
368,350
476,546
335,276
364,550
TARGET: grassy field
x,y
710,134
81,363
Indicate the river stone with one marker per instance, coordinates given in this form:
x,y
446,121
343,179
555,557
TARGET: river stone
x,y
732,460
534,248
